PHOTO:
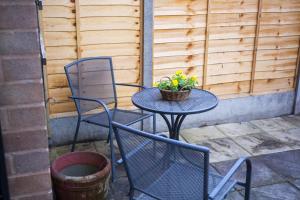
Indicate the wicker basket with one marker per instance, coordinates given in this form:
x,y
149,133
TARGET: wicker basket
x,y
175,96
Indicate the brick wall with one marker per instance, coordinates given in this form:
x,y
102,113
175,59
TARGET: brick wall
x,y
22,109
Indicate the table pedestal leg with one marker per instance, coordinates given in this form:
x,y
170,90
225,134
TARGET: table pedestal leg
x,y
174,125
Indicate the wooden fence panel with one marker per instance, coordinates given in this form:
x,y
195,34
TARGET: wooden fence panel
x,y
250,47
85,28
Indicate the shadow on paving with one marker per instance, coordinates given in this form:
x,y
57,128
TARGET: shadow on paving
x,y
274,177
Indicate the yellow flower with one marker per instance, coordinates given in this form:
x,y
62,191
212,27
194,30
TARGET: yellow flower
x,y
175,82
194,78
183,77
155,84
178,72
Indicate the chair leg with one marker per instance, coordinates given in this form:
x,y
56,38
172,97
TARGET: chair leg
x,y
154,123
112,154
248,180
76,134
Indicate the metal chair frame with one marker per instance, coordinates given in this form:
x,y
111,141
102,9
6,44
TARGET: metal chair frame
x,y
206,195
101,103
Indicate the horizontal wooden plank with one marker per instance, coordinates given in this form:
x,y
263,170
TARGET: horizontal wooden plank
x,y
178,61
230,57
274,74
59,39
119,62
109,23
62,94
69,106
61,52
242,44
109,11
277,54
109,37
232,19
231,32
179,35
178,49
67,3
280,18
273,84
278,42
58,24
281,6
229,68
279,30
233,6
109,2
276,65
227,78
230,88
110,50
182,7
190,71
121,76
179,22
59,11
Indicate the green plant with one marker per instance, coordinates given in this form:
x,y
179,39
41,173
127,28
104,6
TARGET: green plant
x,y
178,82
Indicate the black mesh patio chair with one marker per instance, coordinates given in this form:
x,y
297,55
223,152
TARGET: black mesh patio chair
x,y
162,168
93,87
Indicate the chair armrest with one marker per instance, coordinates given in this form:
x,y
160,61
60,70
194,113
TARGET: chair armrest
x,y
229,175
130,85
93,100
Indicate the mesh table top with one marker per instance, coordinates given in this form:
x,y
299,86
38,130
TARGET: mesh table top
x,y
199,101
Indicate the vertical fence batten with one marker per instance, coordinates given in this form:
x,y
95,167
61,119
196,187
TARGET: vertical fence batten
x,y
204,75
77,22
296,109
257,28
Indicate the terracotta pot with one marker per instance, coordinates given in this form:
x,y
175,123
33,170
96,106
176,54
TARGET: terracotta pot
x,y
81,176
175,96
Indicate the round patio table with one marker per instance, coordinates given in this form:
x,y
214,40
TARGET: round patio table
x,y
199,101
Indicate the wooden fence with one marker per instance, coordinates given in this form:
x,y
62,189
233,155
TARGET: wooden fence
x,y
235,47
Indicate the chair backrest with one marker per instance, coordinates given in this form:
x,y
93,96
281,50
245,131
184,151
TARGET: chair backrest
x,y
147,157
91,78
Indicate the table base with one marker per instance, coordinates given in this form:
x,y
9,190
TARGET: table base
x,y
174,125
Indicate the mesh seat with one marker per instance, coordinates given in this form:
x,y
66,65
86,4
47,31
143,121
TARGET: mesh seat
x,y
183,182
93,87
121,116
162,168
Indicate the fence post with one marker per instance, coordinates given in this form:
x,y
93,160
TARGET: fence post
x,y
147,42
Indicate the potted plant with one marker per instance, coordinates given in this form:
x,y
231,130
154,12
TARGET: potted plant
x,y
177,87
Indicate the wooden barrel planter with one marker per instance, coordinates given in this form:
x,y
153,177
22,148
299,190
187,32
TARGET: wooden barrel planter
x,y
81,176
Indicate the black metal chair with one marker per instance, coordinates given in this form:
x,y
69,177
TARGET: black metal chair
x,y
162,168
93,87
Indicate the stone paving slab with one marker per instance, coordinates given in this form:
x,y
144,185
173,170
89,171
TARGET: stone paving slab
x,y
290,137
238,129
223,149
280,191
261,173
293,119
273,124
261,143
286,164
194,135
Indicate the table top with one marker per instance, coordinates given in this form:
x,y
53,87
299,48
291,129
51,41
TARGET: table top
x,y
199,101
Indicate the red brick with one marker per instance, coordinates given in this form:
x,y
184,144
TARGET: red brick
x,y
19,43
24,93
31,162
27,140
26,17
15,69
20,118
29,184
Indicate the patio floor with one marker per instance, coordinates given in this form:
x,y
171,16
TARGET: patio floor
x,y
273,145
